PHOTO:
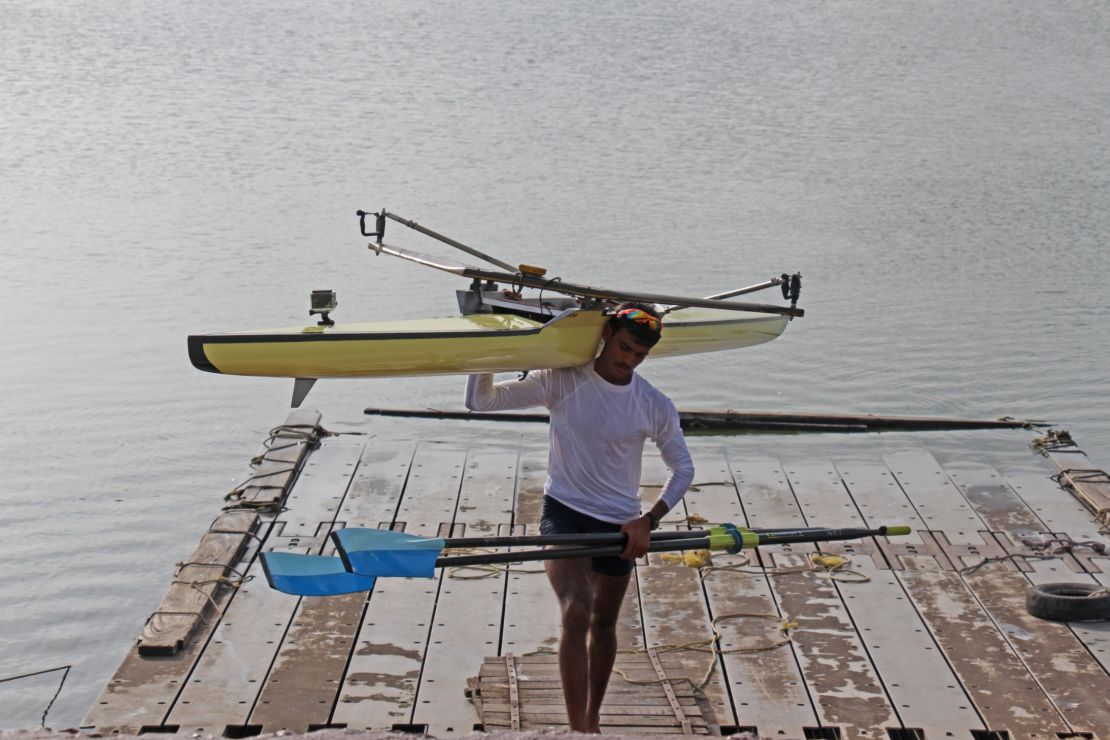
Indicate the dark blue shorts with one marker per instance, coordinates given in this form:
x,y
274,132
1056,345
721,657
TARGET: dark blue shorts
x,y
558,518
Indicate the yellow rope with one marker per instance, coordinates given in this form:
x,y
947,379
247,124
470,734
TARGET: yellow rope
x,y
710,645
834,566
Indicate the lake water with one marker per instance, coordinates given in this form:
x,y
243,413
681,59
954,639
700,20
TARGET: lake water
x,y
939,172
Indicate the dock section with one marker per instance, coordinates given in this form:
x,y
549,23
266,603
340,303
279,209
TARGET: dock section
x,y
924,636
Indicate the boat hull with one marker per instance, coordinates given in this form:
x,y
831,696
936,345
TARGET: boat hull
x,y
457,345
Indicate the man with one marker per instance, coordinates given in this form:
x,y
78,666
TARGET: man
x,y
601,413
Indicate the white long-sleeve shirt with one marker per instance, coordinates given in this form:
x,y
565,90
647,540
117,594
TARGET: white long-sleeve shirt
x,y
597,436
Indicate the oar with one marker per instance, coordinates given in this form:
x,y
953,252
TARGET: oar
x,y
364,548
354,539
366,538
422,558
311,575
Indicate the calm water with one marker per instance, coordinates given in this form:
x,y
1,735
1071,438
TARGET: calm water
x,y
938,172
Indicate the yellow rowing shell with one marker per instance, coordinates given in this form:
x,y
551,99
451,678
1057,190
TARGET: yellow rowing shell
x,y
476,343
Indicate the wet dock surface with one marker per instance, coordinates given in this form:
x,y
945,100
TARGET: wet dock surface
x,y
923,636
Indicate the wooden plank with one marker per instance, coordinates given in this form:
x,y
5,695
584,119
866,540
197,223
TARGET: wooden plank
x,y
1063,667
550,692
766,687
376,490
536,685
680,715
833,660
1004,511
675,613
469,608
549,660
281,460
1005,694
302,687
1065,516
143,689
1059,662
921,685
634,718
1089,484
379,687
646,706
189,603
937,502
531,621
673,606
222,689
551,723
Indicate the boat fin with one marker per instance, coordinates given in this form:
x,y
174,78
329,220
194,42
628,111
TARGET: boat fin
x,y
301,387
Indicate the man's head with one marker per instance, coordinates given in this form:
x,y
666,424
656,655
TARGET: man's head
x,y
629,335
641,320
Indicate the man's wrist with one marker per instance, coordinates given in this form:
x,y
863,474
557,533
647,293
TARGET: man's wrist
x,y
653,520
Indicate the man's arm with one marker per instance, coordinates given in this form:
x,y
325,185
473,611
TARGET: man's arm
x,y
639,530
483,395
672,447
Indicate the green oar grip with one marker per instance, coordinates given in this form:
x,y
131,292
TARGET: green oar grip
x,y
896,530
728,537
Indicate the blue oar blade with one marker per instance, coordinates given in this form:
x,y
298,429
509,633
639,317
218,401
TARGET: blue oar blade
x,y
379,552
311,575
367,538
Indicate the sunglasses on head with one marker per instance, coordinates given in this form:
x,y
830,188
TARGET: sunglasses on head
x,y
640,317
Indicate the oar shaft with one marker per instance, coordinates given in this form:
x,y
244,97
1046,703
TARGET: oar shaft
x,y
562,553
763,537
790,536
599,538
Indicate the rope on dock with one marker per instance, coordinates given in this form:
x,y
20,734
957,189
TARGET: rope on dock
x,y
1053,440
65,674
711,645
834,567
969,569
310,435
235,495
1072,478
233,531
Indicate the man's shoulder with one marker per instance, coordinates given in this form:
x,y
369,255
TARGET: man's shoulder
x,y
652,394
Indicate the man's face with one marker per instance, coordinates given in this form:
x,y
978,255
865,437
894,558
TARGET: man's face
x,y
620,355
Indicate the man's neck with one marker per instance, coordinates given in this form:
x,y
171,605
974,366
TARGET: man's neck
x,y
608,379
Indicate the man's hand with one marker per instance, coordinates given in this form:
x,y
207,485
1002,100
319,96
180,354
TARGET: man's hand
x,y
639,537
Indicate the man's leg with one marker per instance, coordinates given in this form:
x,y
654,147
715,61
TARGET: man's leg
x,y
607,597
571,581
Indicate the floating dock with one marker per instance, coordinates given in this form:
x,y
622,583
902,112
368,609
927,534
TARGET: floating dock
x,y
921,637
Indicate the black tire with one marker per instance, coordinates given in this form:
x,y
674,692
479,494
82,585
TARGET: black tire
x,y
1068,602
